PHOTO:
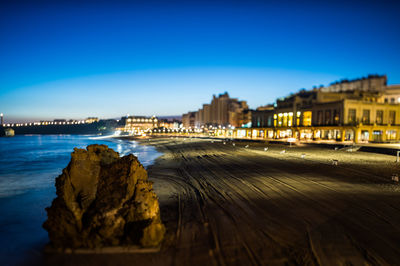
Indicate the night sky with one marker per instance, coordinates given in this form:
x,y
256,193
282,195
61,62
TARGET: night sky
x,y
72,59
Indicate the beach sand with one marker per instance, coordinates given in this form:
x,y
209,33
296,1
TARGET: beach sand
x,y
226,204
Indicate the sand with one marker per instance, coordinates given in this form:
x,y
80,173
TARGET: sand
x,y
232,205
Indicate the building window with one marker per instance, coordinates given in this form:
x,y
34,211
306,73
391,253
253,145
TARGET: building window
x,y
391,100
377,135
386,100
392,117
336,117
327,117
298,113
391,134
365,116
280,115
352,116
319,118
379,117
285,119
364,135
269,122
290,119
307,118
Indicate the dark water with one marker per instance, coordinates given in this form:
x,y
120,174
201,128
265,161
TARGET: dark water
x,y
28,168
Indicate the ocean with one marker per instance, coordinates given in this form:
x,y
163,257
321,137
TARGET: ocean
x,y
29,165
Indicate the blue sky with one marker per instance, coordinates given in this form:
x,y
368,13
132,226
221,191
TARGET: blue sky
x,y
74,59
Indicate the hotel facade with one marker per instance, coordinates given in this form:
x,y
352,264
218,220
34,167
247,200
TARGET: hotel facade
x,y
361,110
139,124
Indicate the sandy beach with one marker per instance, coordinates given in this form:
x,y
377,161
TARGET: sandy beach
x,y
226,204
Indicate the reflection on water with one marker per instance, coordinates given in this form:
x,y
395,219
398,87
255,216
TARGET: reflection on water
x,y
28,168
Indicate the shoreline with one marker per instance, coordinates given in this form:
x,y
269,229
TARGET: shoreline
x,y
384,148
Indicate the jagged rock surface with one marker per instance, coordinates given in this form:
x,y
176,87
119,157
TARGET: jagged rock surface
x,y
103,200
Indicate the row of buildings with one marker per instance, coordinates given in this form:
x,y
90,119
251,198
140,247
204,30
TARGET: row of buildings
x,y
360,110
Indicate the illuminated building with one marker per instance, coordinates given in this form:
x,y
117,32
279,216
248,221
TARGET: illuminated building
x,y
361,110
139,124
2,119
391,94
189,120
91,120
222,111
169,124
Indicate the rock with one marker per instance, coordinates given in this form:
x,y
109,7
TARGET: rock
x,y
103,200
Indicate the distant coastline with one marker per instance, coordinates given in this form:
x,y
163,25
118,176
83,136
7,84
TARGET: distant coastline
x,y
75,129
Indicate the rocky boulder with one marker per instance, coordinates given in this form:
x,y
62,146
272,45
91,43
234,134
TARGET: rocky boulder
x,y
103,200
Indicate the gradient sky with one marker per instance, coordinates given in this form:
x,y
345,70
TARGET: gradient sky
x,y
76,59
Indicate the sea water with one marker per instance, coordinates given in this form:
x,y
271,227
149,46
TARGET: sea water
x,y
28,168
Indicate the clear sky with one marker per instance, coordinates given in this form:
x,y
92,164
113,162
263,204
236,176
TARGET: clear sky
x,y
75,59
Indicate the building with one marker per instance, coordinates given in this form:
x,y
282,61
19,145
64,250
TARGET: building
x,y
391,94
374,83
222,111
361,110
91,120
137,125
189,120
169,124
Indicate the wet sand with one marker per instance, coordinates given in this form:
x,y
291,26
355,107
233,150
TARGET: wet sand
x,y
231,205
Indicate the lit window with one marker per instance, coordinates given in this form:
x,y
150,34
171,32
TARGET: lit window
x,y
290,119
307,118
